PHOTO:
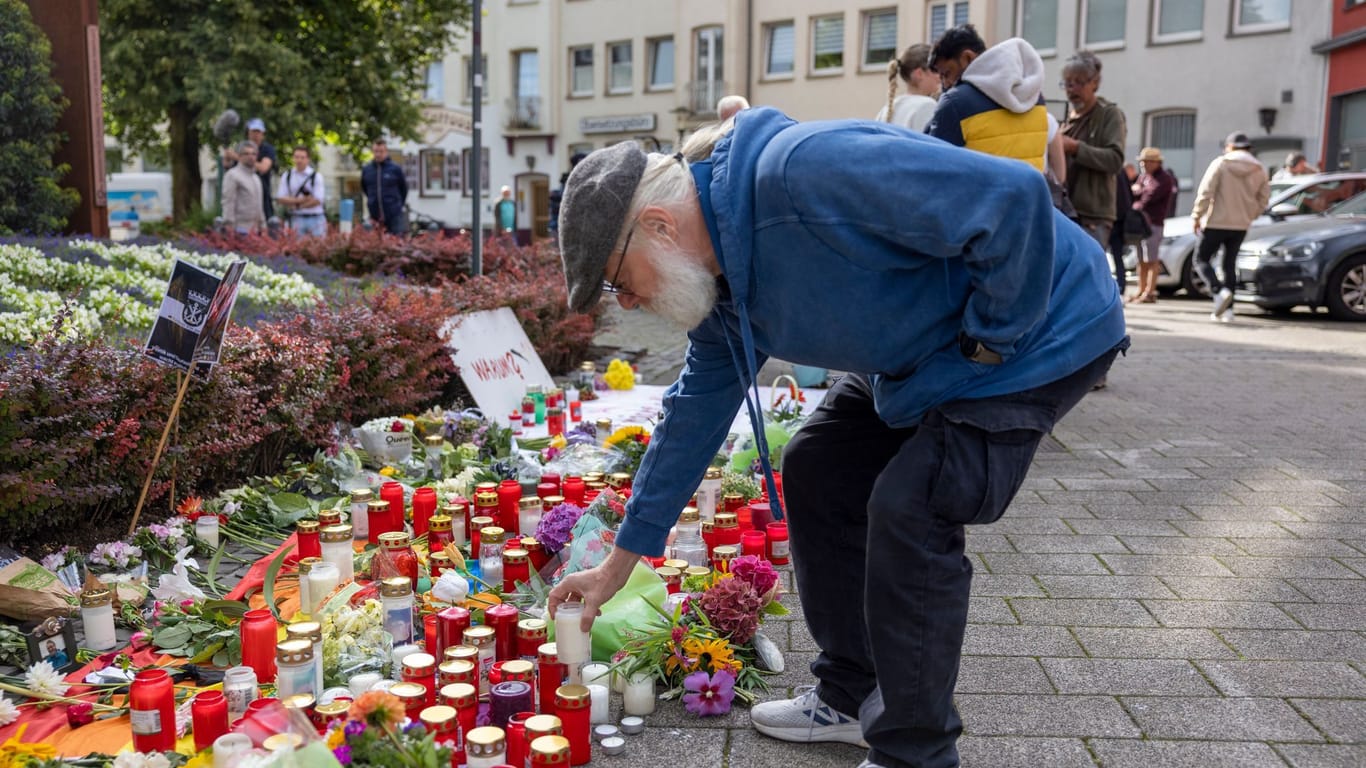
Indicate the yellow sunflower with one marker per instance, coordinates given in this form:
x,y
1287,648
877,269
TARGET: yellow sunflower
x,y
625,433
711,654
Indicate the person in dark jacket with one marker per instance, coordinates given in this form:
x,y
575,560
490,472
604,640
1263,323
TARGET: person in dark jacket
x,y
386,190
1154,195
1093,138
1119,239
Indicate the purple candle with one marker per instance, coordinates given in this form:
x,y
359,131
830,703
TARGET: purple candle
x,y
507,699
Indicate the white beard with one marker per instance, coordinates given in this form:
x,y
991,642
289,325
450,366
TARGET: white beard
x,y
685,291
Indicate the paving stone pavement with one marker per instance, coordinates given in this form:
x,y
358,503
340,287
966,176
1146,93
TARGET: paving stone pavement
x,y
1180,582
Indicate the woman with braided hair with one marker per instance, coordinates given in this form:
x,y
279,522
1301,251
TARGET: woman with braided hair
x,y
915,108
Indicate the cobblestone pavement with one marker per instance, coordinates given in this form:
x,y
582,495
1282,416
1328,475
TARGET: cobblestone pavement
x,y
1180,583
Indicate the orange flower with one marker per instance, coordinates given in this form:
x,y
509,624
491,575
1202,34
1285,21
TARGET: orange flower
x,y
378,709
190,507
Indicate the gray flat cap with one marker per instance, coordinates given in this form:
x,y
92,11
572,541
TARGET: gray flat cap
x,y
593,210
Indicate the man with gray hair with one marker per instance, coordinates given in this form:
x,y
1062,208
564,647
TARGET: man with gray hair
x,y
728,106
971,315
242,212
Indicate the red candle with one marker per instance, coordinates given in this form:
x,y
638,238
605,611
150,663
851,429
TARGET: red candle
x,y
760,514
258,643
752,543
553,479
421,668
424,506
575,411
379,519
531,634
777,543
309,543
726,531
465,699
396,545
151,707
503,619
573,490
572,704
545,489
509,494
516,738
451,624
429,635
550,674
209,716
516,568
392,492
554,421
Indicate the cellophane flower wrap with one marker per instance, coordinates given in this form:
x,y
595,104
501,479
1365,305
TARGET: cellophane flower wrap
x,y
354,641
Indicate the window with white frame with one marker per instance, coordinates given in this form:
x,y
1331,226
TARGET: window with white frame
x,y
1177,20
581,71
1260,16
1037,22
827,44
526,96
661,54
708,74
1173,132
619,67
435,91
1102,23
944,15
469,77
879,38
778,49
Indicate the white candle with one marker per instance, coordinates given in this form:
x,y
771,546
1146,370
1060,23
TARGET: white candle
x,y
363,682
597,673
574,644
229,749
322,579
401,652
600,712
639,696
206,529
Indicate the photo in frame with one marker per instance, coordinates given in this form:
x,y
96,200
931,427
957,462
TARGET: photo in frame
x,y
53,641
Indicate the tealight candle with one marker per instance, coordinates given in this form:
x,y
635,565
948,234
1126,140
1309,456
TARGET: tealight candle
x,y
360,683
597,673
639,696
400,652
601,732
599,711
632,724
230,748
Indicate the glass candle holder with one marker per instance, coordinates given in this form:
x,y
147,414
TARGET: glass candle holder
x,y
639,696
206,530
151,710
574,646
97,617
258,635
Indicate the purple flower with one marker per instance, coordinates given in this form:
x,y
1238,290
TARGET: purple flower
x,y
757,571
556,525
354,728
343,754
709,695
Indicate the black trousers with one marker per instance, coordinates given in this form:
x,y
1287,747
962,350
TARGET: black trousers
x,y
876,520
1210,242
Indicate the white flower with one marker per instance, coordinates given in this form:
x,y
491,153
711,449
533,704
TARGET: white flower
x,y
231,508
8,712
42,677
176,585
451,588
139,760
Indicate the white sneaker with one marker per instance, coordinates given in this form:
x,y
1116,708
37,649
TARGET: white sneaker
x,y
1227,316
806,719
868,764
1222,301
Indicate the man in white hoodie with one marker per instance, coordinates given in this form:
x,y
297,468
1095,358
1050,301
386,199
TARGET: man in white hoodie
x,y
1233,192
994,102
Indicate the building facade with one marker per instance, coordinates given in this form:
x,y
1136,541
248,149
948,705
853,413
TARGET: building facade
x,y
1344,128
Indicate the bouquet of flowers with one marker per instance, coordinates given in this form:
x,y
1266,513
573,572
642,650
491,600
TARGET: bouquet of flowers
x,y
374,734
354,641
631,441
387,441
704,648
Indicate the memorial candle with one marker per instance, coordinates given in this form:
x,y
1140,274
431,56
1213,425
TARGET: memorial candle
x,y
573,705
509,494
424,506
306,533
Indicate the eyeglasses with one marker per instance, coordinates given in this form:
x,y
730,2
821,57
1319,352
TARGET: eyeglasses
x,y
611,286
1067,85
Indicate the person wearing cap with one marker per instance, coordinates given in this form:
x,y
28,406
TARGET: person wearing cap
x,y
1234,191
1154,192
971,315
265,162
1296,164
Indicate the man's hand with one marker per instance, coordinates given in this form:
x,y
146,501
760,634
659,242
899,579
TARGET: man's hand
x,y
595,586
1195,223
1069,145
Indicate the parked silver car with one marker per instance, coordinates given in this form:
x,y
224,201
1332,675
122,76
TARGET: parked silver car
x,y
1307,196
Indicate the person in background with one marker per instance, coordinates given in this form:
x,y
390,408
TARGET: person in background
x,y
915,108
301,195
265,162
1093,140
241,193
386,190
1119,238
1295,165
1233,192
971,316
1153,193
505,211
728,106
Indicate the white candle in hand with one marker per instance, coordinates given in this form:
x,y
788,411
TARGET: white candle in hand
x,y
575,646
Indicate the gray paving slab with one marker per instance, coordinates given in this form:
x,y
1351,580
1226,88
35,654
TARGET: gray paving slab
x,y
1240,512
1137,643
1165,565
1132,753
1019,640
1084,612
1075,543
1306,567
1332,590
1233,614
1219,719
1023,752
1319,679
1058,585
1340,720
1136,677
1040,564
1292,644
1180,545
1323,756
1002,674
1328,615
1296,548
1207,588
1035,715
1006,585
750,749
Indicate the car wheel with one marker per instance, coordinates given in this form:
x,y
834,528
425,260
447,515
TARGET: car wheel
x,y
1346,290
1191,280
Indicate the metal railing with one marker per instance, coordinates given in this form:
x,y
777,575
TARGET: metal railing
x,y
703,95
523,114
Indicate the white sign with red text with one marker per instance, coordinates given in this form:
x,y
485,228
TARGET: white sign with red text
x,y
496,360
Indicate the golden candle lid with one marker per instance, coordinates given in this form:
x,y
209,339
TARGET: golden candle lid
x,y
486,498
457,667
518,667
395,586
712,473
334,708
726,520
668,572
515,556
460,694
530,544
689,515
529,502
485,487
461,652
378,505
419,663
480,521
603,425
724,552
676,563
573,695
333,534
308,526
362,496
550,746
311,631
532,626
433,441
393,540
306,564
280,741
408,691
441,559
438,716
593,477
708,526
594,485
588,365
479,636
454,509
491,534
544,725
328,517
294,651
619,479
552,501
485,741
697,570
732,498
96,598
439,523
303,701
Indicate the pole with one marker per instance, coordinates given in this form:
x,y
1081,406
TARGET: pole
x,y
477,152
161,446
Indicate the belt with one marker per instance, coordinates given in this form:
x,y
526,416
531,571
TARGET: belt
x,y
306,215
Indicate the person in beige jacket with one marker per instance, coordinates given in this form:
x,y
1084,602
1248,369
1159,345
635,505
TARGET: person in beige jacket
x,y
242,211
1233,192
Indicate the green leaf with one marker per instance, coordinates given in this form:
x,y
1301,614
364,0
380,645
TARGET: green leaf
x,y
775,608
212,574
228,609
207,653
269,587
171,636
220,659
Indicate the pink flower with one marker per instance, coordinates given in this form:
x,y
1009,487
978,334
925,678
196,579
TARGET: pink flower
x,y
140,640
186,604
732,606
758,572
397,426
709,695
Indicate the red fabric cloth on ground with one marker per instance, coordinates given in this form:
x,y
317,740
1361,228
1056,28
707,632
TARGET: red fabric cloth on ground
x,y
256,575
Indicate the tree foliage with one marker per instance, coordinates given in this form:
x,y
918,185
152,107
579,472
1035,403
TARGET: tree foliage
x,y
31,200
337,70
